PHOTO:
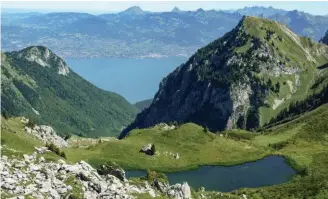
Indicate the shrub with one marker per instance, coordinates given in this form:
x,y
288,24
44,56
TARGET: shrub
x,y
4,114
31,123
152,175
67,136
55,149
62,154
240,135
279,145
153,149
3,141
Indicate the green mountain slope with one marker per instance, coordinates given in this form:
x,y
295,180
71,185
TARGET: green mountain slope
x,y
38,84
141,105
241,80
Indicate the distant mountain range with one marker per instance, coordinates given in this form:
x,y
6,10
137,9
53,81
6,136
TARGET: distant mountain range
x,y
138,33
38,84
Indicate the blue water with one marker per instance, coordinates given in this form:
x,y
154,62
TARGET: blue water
x,y
268,171
134,79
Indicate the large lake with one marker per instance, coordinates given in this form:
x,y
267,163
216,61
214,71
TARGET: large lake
x,y
134,79
268,171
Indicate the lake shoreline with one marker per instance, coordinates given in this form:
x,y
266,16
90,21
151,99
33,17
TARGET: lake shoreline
x,y
270,170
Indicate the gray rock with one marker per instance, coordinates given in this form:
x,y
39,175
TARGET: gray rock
x,y
111,170
26,158
147,149
62,190
46,134
185,189
34,168
179,191
162,187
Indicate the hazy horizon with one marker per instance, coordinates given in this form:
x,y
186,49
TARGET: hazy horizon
x,y
114,7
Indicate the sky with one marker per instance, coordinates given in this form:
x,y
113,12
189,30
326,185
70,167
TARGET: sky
x,y
317,8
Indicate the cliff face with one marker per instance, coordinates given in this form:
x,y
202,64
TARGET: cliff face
x,y
325,38
240,80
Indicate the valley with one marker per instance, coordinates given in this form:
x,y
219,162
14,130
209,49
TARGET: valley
x,y
129,116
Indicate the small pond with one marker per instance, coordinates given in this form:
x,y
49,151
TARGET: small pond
x,y
267,171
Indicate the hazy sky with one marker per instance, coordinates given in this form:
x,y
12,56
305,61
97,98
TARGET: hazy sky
x,y
319,8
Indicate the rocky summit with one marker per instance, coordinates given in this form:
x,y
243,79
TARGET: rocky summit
x,y
240,80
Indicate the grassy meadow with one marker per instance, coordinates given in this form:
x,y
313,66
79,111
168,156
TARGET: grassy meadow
x,y
303,141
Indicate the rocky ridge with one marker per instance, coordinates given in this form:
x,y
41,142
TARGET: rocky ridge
x,y
232,81
38,84
34,177
47,135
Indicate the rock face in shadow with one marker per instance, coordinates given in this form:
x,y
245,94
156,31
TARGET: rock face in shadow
x,y
325,38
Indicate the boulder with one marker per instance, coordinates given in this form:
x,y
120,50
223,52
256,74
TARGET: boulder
x,y
147,149
179,191
112,170
42,149
84,176
185,189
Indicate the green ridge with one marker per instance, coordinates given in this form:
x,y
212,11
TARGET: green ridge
x,y
69,103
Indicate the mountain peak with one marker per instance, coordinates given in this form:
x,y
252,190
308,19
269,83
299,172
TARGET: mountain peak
x,y
227,83
200,10
176,9
44,57
134,10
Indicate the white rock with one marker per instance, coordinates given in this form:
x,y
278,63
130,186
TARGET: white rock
x,y
186,190
10,181
34,168
42,159
26,157
62,190
61,161
69,188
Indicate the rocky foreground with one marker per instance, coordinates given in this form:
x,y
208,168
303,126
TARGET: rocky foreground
x,y
33,176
